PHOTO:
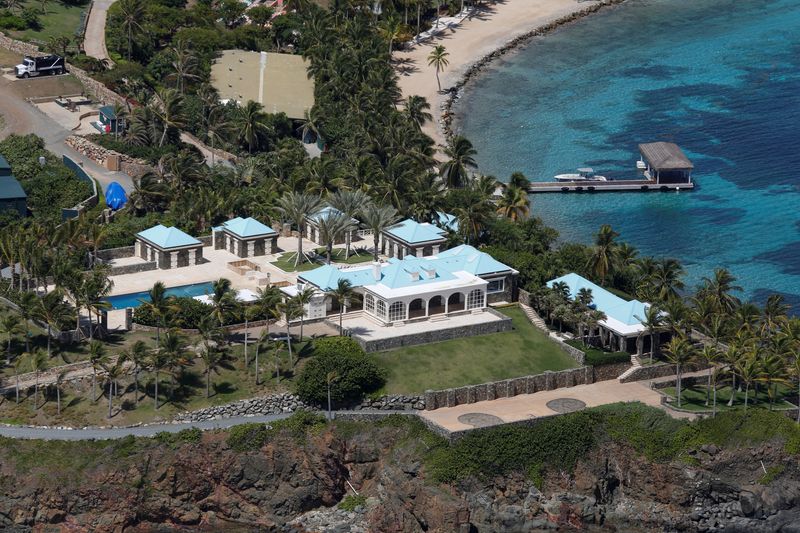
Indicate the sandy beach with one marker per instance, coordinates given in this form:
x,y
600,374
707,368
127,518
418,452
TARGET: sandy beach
x,y
492,27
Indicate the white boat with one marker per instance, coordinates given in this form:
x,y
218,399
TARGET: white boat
x,y
584,174
641,165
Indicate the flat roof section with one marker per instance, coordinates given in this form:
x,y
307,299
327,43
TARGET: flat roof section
x,y
286,86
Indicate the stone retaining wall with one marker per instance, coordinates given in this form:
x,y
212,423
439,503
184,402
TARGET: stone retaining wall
x,y
509,387
265,405
658,370
116,253
131,166
427,337
133,269
394,403
609,372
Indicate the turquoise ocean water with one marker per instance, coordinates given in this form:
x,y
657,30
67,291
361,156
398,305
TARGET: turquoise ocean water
x,y
718,77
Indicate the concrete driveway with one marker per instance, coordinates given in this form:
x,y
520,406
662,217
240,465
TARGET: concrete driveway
x,y
94,40
22,118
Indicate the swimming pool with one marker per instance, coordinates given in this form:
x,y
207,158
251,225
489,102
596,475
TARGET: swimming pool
x,y
123,301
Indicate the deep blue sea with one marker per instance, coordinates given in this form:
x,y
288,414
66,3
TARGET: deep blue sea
x,y
720,78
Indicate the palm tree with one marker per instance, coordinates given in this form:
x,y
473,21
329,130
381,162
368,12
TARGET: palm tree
x,y
666,280
460,157
438,59
266,304
94,290
794,372
297,207
718,289
332,226
157,361
173,346
377,218
54,312
252,124
515,204
213,358
133,12
97,358
60,377
185,65
157,303
223,300
113,373
390,29
417,110
303,297
27,304
290,310
747,368
10,326
137,355
168,108
350,204
18,362
710,355
679,352
731,357
603,255
330,378
344,295
653,323
38,362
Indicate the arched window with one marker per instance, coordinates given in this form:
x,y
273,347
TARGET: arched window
x,y
380,307
397,311
369,303
475,299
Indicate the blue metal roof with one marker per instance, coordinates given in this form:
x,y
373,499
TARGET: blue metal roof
x,y
447,221
413,232
410,271
323,213
612,305
10,189
165,237
470,260
247,227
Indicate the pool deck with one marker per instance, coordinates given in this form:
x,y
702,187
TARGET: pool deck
x,y
216,267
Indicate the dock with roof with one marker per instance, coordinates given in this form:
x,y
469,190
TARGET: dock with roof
x,y
665,168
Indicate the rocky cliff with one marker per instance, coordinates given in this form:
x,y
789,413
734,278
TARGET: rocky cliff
x,y
290,480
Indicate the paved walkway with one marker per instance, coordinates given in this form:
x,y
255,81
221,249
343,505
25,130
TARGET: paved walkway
x,y
94,40
21,432
529,406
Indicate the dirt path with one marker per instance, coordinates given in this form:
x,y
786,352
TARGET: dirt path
x,y
94,40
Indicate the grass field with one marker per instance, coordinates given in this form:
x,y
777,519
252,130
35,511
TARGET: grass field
x,y
523,351
286,261
61,19
694,399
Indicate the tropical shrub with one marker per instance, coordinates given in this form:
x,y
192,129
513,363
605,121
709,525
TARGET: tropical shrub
x,y
357,373
247,437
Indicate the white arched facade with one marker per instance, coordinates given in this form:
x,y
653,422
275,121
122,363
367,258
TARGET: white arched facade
x,y
423,306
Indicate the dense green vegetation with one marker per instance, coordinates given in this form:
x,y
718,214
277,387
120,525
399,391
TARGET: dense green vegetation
x,y
50,187
521,352
339,367
45,21
596,356
556,444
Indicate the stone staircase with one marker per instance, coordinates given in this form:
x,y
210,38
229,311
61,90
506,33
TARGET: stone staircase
x,y
534,317
636,364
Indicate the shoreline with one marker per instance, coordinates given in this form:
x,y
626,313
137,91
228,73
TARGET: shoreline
x,y
490,34
447,116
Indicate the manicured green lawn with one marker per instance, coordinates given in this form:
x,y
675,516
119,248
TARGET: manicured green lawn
x,y
286,263
338,256
521,352
61,19
694,399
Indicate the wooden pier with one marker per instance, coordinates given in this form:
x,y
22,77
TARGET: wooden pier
x,y
607,186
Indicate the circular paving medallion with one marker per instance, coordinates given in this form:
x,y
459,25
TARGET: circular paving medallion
x,y
565,405
480,420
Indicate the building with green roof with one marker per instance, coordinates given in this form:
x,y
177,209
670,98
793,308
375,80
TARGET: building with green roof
x,y
12,195
168,247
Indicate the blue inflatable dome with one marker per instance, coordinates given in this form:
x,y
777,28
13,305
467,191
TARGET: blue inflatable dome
x,y
115,196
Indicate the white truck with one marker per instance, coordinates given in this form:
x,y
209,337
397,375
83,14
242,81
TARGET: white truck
x,y
37,66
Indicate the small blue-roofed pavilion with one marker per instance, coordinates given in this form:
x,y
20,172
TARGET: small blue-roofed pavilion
x,y
12,196
245,237
312,226
5,167
622,327
168,247
410,237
